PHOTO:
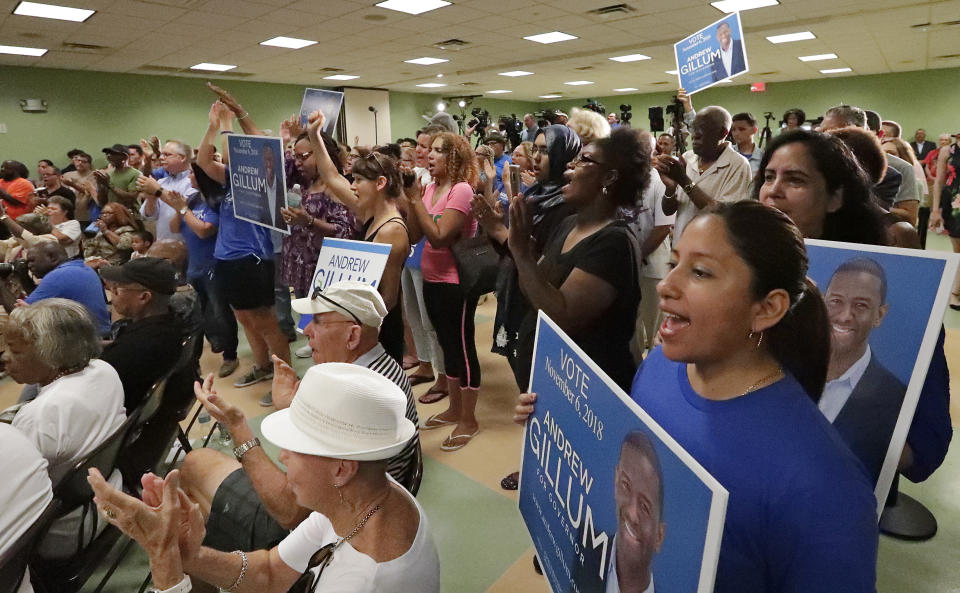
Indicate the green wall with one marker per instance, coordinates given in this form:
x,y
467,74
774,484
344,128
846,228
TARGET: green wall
x,y
919,99
96,109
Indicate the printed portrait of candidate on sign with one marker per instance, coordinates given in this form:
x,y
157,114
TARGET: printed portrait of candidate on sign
x,y
711,55
885,306
258,180
611,501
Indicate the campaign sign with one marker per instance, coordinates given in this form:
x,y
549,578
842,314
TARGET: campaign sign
x,y
711,55
326,101
343,259
258,180
599,476
886,309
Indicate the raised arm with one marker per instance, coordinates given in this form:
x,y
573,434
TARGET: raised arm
x,y
216,171
337,184
246,123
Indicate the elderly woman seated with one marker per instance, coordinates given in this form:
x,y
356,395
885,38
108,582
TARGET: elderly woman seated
x,y
111,245
54,343
366,532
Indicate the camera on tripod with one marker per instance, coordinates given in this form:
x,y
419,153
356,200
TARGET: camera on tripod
x,y
625,114
594,105
481,118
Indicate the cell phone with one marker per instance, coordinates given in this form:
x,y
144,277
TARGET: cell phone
x,y
514,179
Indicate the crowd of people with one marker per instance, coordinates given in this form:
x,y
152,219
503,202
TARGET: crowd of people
x,y
682,276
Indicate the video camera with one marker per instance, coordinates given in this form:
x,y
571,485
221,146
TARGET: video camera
x,y
594,105
511,128
625,114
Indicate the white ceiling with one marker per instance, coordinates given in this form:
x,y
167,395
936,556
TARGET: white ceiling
x,y
168,36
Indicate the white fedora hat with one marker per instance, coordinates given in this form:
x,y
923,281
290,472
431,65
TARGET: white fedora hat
x,y
343,411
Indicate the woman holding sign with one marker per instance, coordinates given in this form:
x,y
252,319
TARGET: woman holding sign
x,y
372,196
744,358
443,216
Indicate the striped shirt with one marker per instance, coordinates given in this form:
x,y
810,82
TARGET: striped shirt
x,y
403,465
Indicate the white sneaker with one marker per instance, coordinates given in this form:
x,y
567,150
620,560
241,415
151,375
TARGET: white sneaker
x,y
304,352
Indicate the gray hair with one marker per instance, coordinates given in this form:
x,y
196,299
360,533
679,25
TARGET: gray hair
x,y
183,147
588,124
62,332
848,114
718,115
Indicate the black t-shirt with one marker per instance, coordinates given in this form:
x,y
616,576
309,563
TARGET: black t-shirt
x,y
608,254
65,192
142,352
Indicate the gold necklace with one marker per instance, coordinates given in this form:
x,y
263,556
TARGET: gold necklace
x,y
766,378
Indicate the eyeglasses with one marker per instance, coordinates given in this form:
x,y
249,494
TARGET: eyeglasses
x,y
538,150
582,159
302,156
319,295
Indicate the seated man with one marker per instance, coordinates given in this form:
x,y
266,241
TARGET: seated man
x,y
68,279
146,339
248,501
185,302
54,344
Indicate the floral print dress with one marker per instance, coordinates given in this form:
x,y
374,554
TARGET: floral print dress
x,y
302,247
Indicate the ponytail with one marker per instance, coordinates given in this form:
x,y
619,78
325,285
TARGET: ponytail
x,y
801,341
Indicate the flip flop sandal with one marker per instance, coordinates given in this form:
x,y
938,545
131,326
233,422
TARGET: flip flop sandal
x,y
436,394
511,482
436,422
454,443
410,363
418,379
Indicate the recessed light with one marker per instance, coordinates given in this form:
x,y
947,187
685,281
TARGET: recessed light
x,y
288,42
550,96
52,11
426,61
630,58
21,51
817,57
431,85
212,67
516,73
413,6
731,6
671,72
801,36
340,77
441,105
498,92
551,37
578,82
625,90
835,70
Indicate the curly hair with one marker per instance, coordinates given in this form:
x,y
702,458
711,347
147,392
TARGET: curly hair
x,y
461,162
589,125
628,152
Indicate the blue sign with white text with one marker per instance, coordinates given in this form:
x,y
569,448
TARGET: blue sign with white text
x,y
326,101
258,179
611,501
712,55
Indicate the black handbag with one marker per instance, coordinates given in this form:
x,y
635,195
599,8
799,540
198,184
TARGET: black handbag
x,y
477,265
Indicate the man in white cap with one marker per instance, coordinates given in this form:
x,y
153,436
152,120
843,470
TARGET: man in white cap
x,y
247,501
366,533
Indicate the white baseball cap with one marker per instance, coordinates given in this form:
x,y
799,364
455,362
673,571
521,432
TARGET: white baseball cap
x,y
343,411
353,299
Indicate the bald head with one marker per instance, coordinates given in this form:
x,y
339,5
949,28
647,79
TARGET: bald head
x,y
717,116
710,129
172,250
44,257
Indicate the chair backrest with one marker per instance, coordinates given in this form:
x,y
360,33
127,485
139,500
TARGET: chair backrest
x,y
13,562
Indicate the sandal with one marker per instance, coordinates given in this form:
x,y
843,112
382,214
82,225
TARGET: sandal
x,y
416,379
409,363
432,396
453,443
511,482
436,422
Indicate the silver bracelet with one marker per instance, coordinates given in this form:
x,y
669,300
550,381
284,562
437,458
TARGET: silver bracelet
x,y
243,570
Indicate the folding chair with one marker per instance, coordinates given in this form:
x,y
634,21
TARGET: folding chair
x,y
13,562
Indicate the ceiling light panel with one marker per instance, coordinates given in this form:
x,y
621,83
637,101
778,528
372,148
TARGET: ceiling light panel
x,y
515,73
288,42
14,50
790,37
578,82
52,11
550,96
817,57
426,61
731,6
551,37
498,92
413,6
431,85
625,90
340,77
212,67
630,58
835,70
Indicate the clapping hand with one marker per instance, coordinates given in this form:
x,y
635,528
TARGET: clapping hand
x,y
285,383
175,200
521,229
102,177
148,185
221,410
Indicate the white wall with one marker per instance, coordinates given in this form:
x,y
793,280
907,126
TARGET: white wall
x,y
358,119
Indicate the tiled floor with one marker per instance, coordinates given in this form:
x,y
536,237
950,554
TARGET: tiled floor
x,y
483,544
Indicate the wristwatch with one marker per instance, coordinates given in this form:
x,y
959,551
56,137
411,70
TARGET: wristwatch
x,y
689,187
239,452
159,192
183,211
183,586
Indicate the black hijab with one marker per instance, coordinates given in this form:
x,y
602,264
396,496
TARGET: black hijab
x,y
563,145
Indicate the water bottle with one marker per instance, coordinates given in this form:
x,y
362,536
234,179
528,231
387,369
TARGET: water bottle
x,y
294,196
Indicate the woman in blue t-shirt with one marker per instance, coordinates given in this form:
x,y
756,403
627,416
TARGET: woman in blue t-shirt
x,y
744,358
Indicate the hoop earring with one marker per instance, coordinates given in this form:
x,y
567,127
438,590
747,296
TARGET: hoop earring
x,y
759,340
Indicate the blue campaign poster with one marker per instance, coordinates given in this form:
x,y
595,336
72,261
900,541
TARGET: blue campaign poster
x,y
258,180
604,491
885,306
326,101
712,54
343,259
